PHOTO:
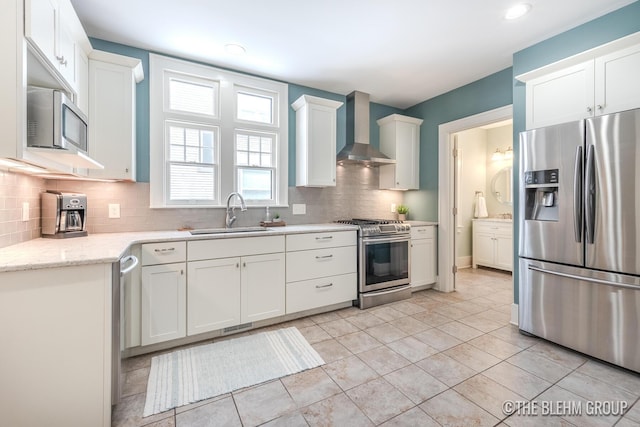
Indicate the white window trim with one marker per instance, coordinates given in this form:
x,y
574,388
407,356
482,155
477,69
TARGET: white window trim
x,y
228,82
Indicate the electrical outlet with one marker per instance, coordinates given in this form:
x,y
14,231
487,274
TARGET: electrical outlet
x,y
299,209
114,210
393,208
25,211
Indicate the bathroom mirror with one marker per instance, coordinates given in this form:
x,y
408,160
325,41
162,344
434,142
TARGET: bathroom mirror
x,y
501,185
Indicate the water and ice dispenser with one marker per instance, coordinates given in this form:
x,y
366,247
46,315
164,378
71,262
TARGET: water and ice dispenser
x,y
541,195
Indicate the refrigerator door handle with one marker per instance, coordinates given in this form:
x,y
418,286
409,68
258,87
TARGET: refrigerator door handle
x,y
583,278
577,196
590,196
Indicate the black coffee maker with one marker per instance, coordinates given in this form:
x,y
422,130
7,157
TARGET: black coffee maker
x,y
63,214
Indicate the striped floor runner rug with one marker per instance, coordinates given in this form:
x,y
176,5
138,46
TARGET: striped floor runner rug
x,y
197,373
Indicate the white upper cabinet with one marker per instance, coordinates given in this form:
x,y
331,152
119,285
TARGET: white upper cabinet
x,y
400,140
315,141
604,82
617,84
57,38
112,114
560,97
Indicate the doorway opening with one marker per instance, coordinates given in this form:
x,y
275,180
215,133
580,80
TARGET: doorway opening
x,y
448,206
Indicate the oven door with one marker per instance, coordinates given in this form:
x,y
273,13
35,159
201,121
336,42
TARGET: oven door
x,y
384,262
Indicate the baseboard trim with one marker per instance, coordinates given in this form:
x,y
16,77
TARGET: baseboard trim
x,y
514,314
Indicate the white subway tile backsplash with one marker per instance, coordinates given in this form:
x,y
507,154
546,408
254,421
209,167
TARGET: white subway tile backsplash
x,y
356,195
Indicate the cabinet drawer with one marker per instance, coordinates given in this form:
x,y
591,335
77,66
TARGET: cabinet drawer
x,y
232,247
304,265
493,227
302,242
164,253
316,293
423,232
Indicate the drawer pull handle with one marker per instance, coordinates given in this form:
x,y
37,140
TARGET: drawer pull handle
x,y
324,238
324,256
324,286
164,250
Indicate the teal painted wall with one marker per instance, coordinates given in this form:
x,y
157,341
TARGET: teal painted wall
x,y
486,94
612,26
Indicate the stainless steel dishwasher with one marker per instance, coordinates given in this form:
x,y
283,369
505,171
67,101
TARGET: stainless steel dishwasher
x,y
119,272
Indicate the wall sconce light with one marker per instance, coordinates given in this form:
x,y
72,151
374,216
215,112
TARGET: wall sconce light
x,y
502,155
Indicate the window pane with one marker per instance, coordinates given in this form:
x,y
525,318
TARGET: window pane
x,y
192,137
266,145
255,184
255,108
254,143
191,182
176,153
254,159
192,154
242,158
265,160
191,97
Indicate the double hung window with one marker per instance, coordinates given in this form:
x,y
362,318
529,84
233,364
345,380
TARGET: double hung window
x,y
214,132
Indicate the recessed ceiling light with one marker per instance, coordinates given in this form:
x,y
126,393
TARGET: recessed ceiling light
x,y
517,11
235,49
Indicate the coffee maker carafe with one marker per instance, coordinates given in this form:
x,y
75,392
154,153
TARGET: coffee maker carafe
x,y
63,214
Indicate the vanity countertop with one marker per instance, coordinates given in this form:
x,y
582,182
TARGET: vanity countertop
x,y
494,219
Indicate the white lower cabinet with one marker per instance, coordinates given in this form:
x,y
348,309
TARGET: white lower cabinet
x,y
55,325
245,287
213,295
493,244
163,303
262,287
231,291
423,255
321,270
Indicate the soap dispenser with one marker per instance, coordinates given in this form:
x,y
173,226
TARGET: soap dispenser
x,y
267,215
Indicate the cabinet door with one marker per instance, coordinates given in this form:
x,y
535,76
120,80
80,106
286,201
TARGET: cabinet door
x,y
322,146
407,156
41,21
163,303
617,83
483,249
504,252
213,295
263,287
561,97
112,118
423,271
66,53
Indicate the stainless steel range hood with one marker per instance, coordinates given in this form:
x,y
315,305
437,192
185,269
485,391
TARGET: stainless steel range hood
x,y
358,149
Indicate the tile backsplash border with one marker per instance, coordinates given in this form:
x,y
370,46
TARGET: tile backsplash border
x,y
356,194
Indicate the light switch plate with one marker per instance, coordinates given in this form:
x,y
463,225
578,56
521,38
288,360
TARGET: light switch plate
x,y
393,208
114,210
25,211
299,209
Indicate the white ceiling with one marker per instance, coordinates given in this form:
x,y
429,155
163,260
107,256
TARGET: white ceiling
x,y
401,52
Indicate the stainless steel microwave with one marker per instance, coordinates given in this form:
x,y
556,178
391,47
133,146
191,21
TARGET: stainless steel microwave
x,y
54,121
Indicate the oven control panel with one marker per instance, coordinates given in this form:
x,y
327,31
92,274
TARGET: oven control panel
x,y
378,229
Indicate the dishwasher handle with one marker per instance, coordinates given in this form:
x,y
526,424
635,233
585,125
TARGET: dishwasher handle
x,y
123,261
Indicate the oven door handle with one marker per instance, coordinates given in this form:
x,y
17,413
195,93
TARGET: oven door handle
x,y
372,241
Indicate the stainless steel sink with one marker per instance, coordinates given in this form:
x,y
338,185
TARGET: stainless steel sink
x,y
223,230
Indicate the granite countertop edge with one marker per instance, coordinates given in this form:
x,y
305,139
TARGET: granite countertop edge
x,y
107,248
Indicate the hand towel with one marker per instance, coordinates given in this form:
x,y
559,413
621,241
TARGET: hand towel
x,y
481,208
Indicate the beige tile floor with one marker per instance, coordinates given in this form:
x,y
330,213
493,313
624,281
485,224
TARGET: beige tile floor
x,y
435,359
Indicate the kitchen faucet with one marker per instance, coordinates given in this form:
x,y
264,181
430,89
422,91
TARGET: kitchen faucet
x,y
231,218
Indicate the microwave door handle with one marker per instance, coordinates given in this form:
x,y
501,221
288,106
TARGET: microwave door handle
x,y
590,196
577,196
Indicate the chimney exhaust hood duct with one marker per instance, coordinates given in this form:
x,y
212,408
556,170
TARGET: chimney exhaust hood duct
x,y
358,149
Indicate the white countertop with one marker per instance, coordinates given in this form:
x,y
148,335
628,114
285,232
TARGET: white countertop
x,y
109,247
494,219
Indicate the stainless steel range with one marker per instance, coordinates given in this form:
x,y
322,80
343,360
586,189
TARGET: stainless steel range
x,y
384,261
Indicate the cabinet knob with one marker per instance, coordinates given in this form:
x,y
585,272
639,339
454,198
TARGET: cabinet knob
x,y
600,107
244,264
237,264
589,109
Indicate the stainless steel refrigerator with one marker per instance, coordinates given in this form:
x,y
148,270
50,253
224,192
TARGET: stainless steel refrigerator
x,y
580,236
